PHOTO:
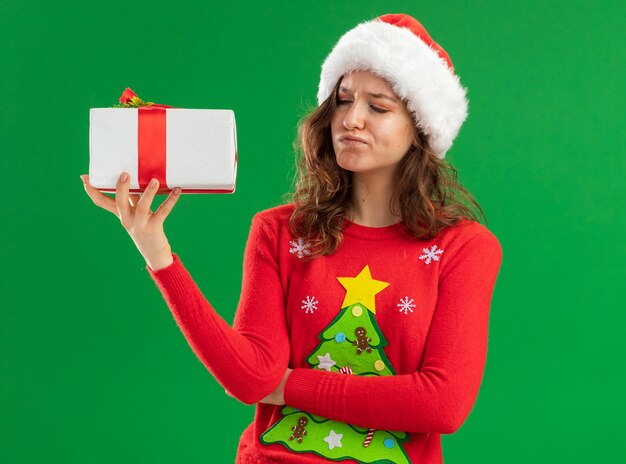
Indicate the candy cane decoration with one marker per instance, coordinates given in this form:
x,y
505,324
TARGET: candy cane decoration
x,y
370,432
368,438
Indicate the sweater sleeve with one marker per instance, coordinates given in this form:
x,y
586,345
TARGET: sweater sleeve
x,y
250,358
440,395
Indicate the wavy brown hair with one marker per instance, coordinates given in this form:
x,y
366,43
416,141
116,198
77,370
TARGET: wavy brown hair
x,y
427,195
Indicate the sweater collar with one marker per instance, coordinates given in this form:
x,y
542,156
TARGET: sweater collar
x,y
373,233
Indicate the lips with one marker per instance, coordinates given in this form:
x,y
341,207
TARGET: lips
x,y
351,139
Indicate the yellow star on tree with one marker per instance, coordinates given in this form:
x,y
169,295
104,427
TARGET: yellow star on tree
x,y
362,289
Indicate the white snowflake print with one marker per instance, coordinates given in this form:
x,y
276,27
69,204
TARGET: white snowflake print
x,y
300,248
406,305
431,254
309,304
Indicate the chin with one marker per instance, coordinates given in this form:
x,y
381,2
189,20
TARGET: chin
x,y
353,167
347,164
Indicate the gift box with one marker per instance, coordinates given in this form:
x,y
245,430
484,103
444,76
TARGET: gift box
x,y
194,149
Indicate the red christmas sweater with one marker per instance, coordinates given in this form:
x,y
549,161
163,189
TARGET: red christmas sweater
x,y
387,338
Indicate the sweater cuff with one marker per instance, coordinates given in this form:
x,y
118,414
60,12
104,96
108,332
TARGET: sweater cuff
x,y
174,279
301,389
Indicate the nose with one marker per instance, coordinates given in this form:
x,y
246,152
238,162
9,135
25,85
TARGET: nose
x,y
354,118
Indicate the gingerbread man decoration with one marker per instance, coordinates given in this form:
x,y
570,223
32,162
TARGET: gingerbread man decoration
x,y
362,342
298,429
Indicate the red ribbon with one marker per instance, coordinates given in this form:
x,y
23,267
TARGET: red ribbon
x,y
151,142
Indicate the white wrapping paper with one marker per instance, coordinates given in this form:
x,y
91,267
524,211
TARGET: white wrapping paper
x,y
201,149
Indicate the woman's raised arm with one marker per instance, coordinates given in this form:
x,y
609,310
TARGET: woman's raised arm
x,y
249,359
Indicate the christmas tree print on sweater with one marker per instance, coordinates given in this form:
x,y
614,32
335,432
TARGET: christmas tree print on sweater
x,y
352,344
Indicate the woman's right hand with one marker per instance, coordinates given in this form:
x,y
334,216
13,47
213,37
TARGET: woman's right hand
x,y
133,210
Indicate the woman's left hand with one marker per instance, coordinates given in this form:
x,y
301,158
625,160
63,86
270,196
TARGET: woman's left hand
x,y
277,397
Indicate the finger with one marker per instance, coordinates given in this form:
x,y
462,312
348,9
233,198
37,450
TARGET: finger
x,y
166,207
143,211
121,200
99,198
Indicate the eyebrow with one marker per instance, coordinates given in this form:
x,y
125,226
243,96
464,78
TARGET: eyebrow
x,y
375,95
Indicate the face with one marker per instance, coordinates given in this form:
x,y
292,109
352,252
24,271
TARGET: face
x,y
368,109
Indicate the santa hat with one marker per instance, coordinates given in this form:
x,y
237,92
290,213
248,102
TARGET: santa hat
x,y
397,48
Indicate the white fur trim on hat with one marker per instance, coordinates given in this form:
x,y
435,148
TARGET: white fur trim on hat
x,y
416,73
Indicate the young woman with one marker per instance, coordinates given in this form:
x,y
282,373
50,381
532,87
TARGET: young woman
x,y
361,330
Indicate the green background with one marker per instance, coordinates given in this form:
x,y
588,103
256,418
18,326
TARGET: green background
x,y
93,368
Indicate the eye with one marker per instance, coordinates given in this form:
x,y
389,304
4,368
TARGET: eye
x,y
378,110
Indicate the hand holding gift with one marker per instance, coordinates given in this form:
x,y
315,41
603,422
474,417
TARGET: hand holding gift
x,y
144,226
192,149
